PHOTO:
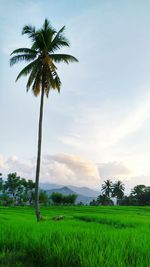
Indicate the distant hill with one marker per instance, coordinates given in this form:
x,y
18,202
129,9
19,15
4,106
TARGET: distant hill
x,y
85,191
63,190
85,194
48,186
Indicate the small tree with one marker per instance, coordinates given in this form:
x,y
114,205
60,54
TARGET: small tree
x,y
69,199
43,197
128,201
104,200
6,200
93,203
57,198
138,190
11,186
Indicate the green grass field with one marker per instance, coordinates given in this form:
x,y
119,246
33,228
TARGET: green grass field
x,y
87,237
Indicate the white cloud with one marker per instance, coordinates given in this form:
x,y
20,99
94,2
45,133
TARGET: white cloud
x,y
114,170
68,169
60,168
3,164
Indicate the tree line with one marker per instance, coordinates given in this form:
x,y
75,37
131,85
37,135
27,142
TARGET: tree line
x,y
15,190
139,195
18,191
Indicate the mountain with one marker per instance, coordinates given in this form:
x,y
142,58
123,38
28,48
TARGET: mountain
x,y
63,190
48,186
67,191
85,191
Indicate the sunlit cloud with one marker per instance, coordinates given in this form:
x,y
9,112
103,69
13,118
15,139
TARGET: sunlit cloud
x,y
114,170
60,168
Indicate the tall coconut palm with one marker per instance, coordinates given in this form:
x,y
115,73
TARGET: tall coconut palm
x,y
42,73
118,190
107,187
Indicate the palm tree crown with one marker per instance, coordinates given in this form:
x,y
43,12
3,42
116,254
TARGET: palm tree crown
x,y
42,57
107,187
118,189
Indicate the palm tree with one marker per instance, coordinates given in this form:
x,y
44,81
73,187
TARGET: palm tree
x,y
107,187
118,190
42,73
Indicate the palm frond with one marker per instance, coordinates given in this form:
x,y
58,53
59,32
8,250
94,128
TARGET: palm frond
x,y
38,42
63,58
25,71
23,57
58,83
36,87
47,26
37,82
50,79
59,41
24,50
32,77
29,30
47,33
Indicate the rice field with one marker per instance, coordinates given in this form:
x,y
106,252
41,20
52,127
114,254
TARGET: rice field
x,y
86,237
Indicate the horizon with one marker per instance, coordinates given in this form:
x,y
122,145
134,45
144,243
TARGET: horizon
x,y
98,127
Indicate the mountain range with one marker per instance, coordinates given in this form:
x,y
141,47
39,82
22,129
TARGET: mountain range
x,y
85,194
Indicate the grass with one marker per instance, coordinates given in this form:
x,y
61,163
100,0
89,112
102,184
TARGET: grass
x,y
87,237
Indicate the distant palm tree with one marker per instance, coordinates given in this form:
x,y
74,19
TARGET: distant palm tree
x,y
107,187
42,73
118,190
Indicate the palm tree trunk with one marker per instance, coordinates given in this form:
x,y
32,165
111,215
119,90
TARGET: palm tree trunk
x,y
37,206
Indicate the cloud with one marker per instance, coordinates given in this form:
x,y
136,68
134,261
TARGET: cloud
x,y
113,170
70,169
13,164
60,168
136,180
2,162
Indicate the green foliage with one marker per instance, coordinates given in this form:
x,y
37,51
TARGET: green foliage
x,y
93,203
107,187
43,197
138,190
118,190
6,200
104,200
42,70
59,198
16,190
1,182
128,201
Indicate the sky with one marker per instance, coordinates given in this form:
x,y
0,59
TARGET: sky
x,y
98,127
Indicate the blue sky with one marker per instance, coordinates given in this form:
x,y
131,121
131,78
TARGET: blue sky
x,y
99,125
